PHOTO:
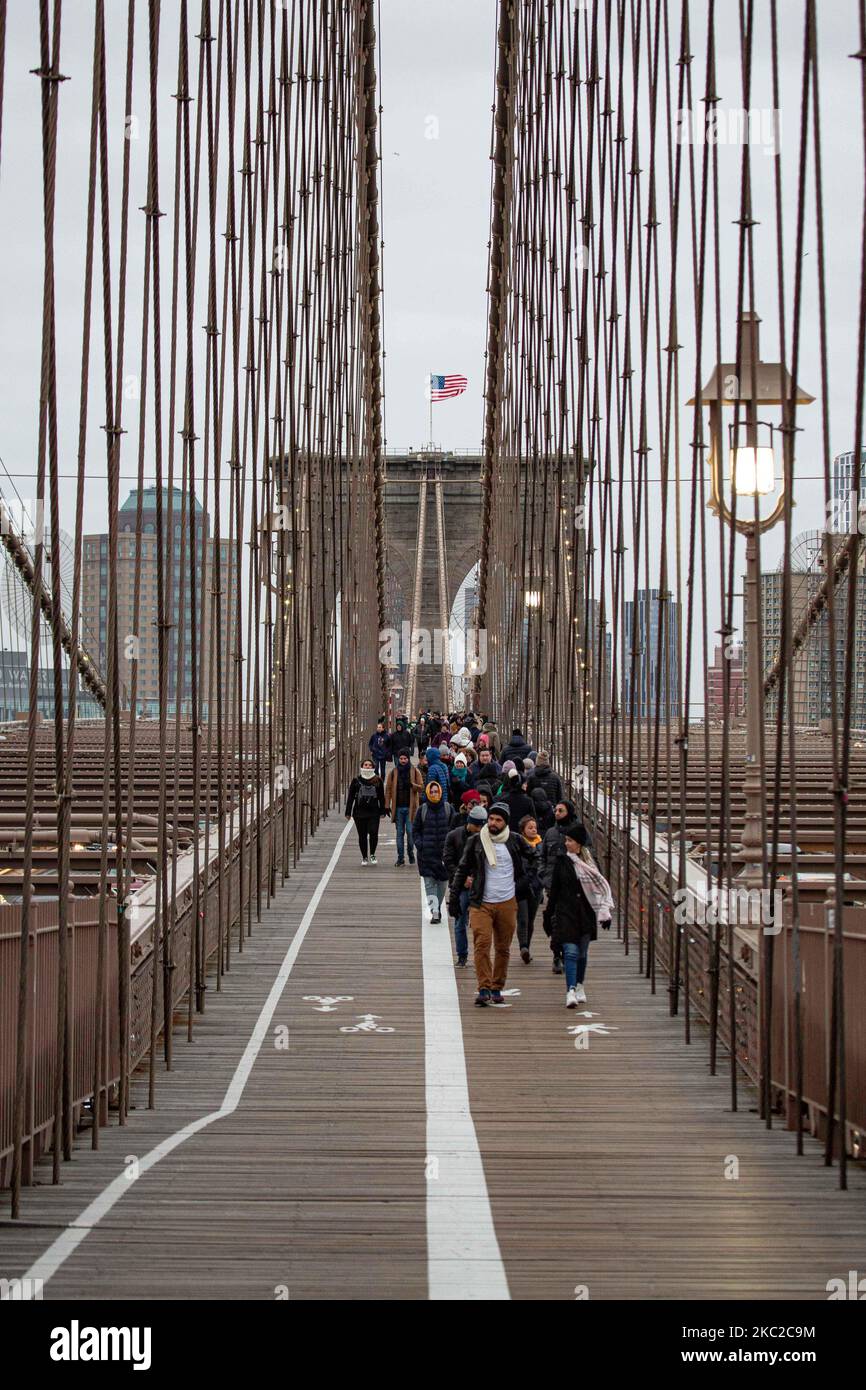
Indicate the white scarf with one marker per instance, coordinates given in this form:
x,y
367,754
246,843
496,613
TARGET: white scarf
x,y
595,886
489,841
367,773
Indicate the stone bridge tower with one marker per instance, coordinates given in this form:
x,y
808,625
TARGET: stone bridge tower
x,y
461,492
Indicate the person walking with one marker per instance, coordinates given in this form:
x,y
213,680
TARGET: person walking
x,y
454,846
433,820
543,809
380,748
519,804
544,777
493,867
578,902
553,845
403,791
436,770
459,775
528,906
486,769
365,804
517,747
402,737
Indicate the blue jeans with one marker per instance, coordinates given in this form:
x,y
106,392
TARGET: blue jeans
x,y
461,940
574,957
381,764
435,890
403,826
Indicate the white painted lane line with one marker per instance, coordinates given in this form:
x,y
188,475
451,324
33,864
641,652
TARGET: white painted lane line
x,y
463,1256
69,1240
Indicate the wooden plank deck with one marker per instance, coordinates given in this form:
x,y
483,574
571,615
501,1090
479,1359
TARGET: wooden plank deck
x,y
604,1167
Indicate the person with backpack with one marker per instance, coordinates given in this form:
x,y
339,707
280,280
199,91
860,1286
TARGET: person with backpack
x,y
403,791
380,748
365,805
433,820
493,866
545,778
542,808
454,846
528,906
578,902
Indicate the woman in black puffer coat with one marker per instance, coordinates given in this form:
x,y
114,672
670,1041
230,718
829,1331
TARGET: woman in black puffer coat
x,y
433,820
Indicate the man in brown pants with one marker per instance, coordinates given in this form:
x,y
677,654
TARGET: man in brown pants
x,y
493,867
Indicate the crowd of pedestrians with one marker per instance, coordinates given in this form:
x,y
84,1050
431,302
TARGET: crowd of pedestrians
x,y
494,839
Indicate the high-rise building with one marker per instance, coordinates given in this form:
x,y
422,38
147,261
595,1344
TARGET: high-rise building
x,y
177,583
599,653
716,684
812,680
844,519
641,634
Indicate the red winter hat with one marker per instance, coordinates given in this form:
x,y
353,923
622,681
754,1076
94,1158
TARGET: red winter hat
x,y
469,797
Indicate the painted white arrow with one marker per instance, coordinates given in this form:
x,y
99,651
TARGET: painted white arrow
x,y
327,1002
592,1028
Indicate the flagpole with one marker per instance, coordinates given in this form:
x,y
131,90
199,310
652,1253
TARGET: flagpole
x,y
430,397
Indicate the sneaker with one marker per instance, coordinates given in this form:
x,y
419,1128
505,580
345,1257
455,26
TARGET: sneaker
x,y
399,863
482,998
364,863
373,859
571,999
580,994
557,965
496,996
524,955
461,960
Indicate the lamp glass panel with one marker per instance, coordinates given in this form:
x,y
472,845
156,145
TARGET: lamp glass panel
x,y
753,470
533,598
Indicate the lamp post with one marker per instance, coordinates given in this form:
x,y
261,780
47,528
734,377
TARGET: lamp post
x,y
751,384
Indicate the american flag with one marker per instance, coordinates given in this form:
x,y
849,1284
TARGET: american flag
x,y
442,388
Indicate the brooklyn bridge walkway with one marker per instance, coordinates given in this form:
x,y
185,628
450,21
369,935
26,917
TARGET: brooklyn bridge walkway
x,y
372,1135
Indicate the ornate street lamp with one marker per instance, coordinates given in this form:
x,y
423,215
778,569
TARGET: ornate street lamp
x,y
751,474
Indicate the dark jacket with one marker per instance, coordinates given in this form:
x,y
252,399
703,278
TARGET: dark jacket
x,y
380,746
542,810
515,748
518,803
473,864
485,772
552,846
402,738
457,787
371,811
568,914
548,781
533,866
430,831
454,844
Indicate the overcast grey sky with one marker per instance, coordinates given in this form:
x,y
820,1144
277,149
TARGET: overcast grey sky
x,y
437,89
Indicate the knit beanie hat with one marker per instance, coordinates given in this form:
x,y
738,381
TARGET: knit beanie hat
x,y
500,809
460,760
542,760
514,774
470,798
478,815
507,766
575,831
